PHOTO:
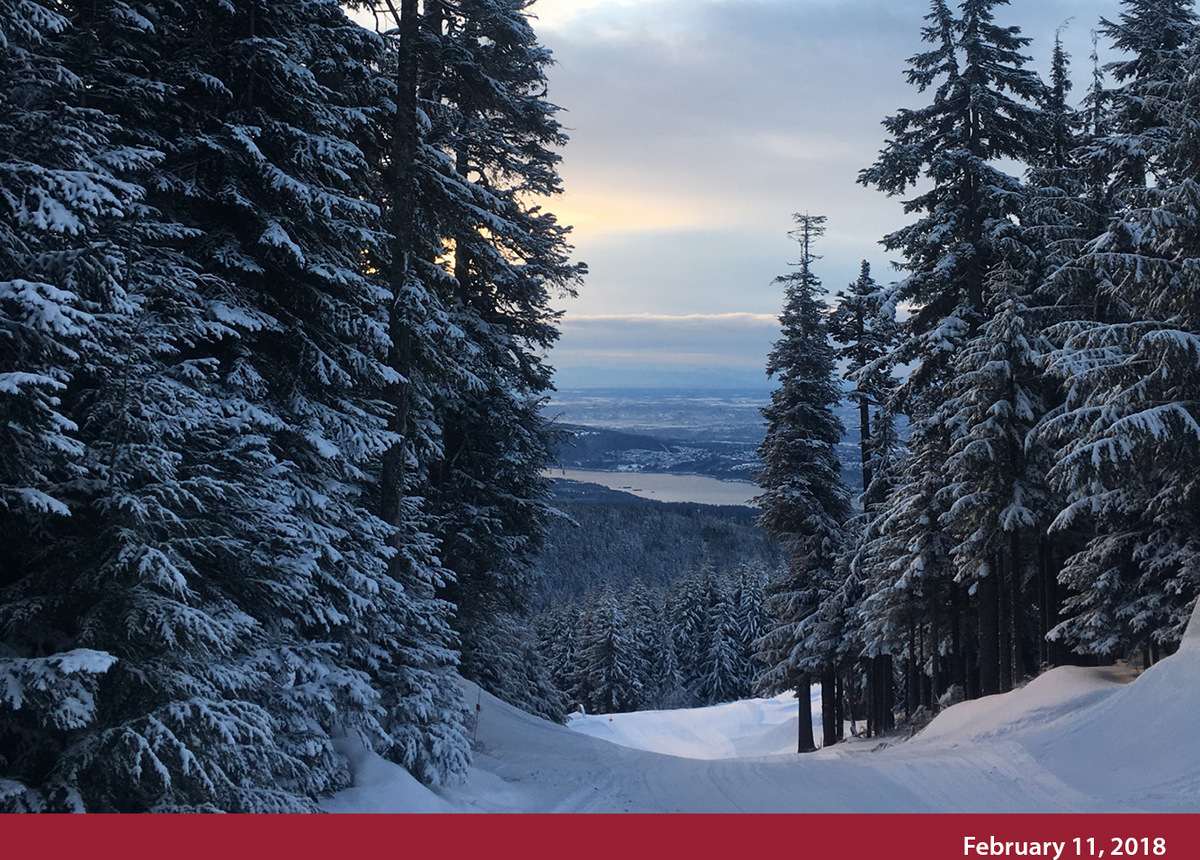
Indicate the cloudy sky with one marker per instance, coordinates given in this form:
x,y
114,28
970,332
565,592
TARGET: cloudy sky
x,y
697,128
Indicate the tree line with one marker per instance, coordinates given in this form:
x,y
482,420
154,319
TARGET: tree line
x,y
686,644
1041,509
274,294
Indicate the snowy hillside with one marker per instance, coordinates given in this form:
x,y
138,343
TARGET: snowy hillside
x,y
1073,740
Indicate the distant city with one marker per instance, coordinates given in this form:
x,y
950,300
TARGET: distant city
x,y
675,431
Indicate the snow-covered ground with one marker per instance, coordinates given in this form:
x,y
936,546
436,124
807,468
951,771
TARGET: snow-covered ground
x,y
1073,740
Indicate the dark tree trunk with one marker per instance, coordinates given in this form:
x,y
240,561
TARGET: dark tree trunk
x,y
1003,573
1017,613
869,697
989,634
1045,646
840,703
1052,652
931,680
864,445
912,690
887,690
394,478
852,687
829,708
958,656
805,742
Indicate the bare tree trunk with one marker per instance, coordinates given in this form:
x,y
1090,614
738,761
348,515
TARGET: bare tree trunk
x,y
805,742
839,712
958,656
1045,650
887,687
1052,652
864,443
873,701
929,654
1003,575
912,691
851,699
989,633
1017,613
405,140
829,708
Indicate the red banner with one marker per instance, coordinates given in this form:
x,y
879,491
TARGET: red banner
x,y
603,837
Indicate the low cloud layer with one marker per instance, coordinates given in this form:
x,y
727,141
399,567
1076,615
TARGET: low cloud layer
x,y
641,348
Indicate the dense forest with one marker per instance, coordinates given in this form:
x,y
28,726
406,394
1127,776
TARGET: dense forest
x,y
593,545
1041,509
274,299
684,644
649,606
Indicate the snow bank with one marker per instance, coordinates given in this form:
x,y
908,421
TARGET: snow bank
x,y
380,786
1191,636
1054,699
747,729
1138,745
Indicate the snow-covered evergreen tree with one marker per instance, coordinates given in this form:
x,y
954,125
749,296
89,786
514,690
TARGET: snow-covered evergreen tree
x,y
483,140
610,672
748,581
556,628
670,691
1067,201
222,547
804,501
996,497
1129,426
720,672
521,672
863,323
912,606
685,613
60,194
1155,37
642,609
984,109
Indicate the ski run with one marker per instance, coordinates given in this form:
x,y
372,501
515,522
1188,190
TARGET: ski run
x,y
1074,740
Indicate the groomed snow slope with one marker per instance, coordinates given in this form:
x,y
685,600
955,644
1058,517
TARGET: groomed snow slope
x,y
1073,740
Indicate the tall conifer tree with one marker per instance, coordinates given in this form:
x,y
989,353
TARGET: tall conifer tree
x,y
986,107
804,501
1129,425
505,259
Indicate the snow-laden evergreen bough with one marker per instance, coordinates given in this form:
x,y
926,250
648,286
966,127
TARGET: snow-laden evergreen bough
x,y
58,182
488,152
222,561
